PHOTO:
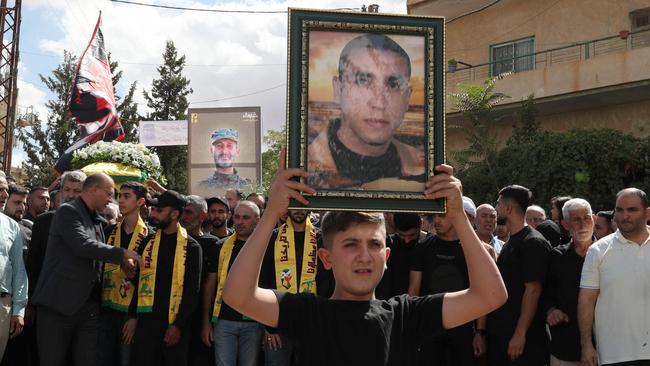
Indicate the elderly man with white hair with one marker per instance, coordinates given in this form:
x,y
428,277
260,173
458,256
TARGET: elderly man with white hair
x,y
563,282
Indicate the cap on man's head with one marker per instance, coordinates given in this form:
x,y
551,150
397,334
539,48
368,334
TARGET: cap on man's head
x,y
220,200
225,133
469,206
169,198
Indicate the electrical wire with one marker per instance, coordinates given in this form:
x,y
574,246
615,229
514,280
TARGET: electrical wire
x,y
214,10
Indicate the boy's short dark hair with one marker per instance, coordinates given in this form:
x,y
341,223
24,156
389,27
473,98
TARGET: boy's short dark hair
x,y
406,221
138,188
337,221
520,195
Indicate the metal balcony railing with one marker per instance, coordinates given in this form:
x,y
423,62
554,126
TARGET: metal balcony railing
x,y
547,58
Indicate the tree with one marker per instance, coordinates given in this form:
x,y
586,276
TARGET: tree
x,y
529,128
127,108
274,140
476,102
44,143
168,100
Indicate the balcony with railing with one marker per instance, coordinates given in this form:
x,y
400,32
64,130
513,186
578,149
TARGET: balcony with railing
x,y
618,59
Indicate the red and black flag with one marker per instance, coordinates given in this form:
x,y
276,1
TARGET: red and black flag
x,y
92,100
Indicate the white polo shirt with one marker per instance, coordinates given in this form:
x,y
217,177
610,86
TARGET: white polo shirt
x,y
620,269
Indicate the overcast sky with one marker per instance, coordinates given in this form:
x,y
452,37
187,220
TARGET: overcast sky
x,y
220,48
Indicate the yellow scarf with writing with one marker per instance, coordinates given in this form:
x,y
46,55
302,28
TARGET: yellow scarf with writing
x,y
222,273
285,259
117,290
147,285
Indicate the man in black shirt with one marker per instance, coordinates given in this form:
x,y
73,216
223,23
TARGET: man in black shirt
x,y
236,338
117,317
563,284
218,217
516,331
194,213
168,287
407,234
437,266
352,327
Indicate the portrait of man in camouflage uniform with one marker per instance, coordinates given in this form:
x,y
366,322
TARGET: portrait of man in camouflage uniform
x,y
225,149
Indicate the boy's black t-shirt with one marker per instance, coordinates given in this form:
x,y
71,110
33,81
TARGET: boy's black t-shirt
x,y
524,258
377,332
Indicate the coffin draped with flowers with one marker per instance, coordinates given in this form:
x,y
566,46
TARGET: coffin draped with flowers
x,y
122,161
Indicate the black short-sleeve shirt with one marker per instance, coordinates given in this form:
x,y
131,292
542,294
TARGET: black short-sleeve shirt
x,y
377,332
442,264
524,258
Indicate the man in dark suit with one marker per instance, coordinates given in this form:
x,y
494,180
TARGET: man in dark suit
x,y
68,297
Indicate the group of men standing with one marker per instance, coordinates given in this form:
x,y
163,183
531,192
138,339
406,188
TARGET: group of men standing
x,y
148,289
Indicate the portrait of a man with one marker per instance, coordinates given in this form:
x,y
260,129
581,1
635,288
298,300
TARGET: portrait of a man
x,y
225,150
366,144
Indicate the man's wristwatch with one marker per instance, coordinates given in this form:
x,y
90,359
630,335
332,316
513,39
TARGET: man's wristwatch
x,y
480,332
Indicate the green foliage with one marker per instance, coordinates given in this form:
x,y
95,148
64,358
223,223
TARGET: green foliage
x,y
477,102
275,140
529,128
590,163
45,142
168,100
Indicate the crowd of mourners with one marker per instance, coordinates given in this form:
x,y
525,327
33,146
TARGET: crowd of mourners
x,y
143,277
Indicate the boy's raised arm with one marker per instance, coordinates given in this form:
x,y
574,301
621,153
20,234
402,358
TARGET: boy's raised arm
x,y
486,289
241,290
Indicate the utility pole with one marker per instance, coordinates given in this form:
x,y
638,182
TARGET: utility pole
x,y
10,32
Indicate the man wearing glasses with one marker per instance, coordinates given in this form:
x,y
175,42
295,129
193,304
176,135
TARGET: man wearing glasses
x,y
372,89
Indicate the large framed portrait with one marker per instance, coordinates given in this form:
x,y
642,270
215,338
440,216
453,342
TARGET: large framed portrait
x,y
223,149
365,100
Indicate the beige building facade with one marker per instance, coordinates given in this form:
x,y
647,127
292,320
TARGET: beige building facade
x,y
587,62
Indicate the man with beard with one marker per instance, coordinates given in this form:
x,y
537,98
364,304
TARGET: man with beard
x,y
15,208
236,338
563,283
13,276
291,265
437,266
192,218
118,320
218,216
516,330
225,150
168,287
17,352
38,202
614,288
